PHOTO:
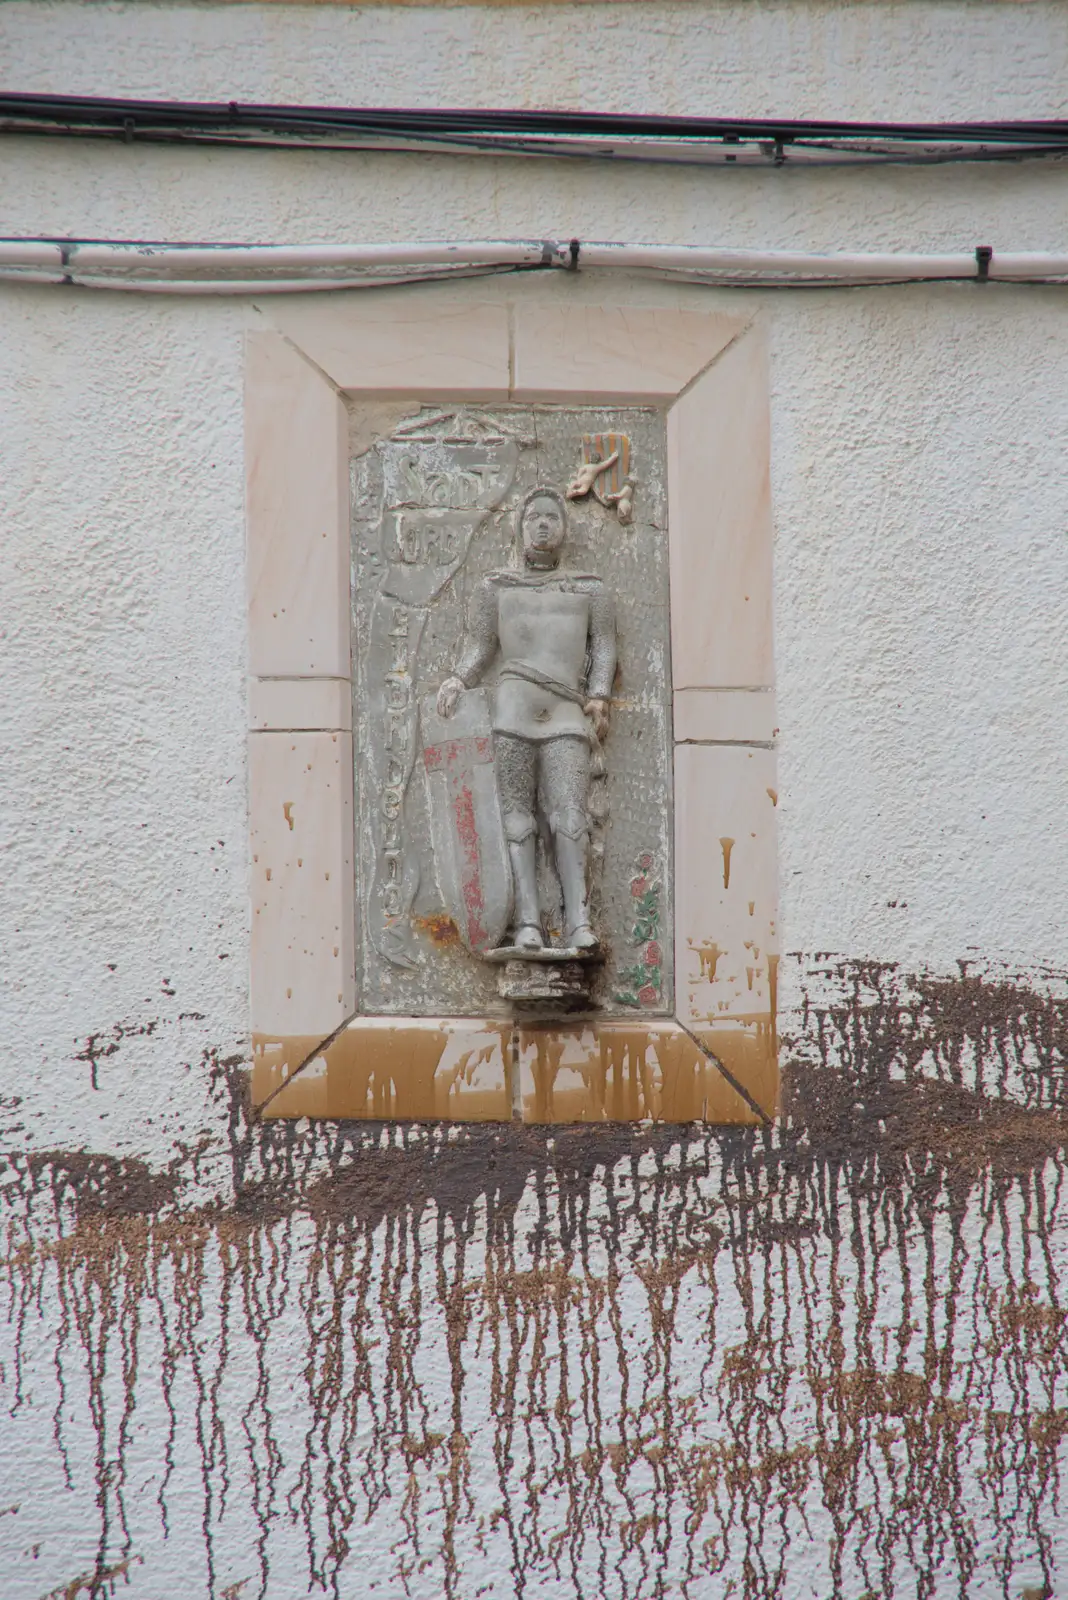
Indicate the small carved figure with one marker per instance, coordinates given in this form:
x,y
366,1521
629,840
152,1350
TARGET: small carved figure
x,y
555,631
623,502
587,474
604,473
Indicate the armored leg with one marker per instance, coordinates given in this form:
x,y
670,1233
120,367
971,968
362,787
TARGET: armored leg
x,y
516,764
565,777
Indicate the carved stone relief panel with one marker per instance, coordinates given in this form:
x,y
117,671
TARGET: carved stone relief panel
x,y
511,711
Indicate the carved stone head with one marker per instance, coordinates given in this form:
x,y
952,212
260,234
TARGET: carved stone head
x,y
542,525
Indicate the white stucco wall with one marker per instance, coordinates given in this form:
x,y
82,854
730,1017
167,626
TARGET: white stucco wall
x,y
920,490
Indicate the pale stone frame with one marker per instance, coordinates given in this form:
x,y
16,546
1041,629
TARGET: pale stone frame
x,y
312,1053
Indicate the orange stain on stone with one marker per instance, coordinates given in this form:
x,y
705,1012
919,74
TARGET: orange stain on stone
x,y
439,928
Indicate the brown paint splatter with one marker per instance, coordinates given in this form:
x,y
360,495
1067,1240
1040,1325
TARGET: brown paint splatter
x,y
910,1209
726,845
709,955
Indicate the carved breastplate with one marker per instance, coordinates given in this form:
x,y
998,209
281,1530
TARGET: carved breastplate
x,y
546,628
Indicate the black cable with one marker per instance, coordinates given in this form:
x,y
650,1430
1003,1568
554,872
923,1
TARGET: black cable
x,y
153,120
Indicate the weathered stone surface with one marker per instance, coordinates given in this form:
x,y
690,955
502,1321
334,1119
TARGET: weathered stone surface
x,y
434,513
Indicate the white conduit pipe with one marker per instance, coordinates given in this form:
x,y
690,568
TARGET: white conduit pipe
x,y
254,286
250,259
161,265
847,268
259,269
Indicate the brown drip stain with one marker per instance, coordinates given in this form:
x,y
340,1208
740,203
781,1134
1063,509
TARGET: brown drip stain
x,y
773,796
709,955
373,1073
617,1072
726,845
773,988
548,1050
287,812
748,1049
911,1204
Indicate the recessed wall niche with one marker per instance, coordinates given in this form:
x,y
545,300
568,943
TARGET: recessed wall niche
x,y
512,780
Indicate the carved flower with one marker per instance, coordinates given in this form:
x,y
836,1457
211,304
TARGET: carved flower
x,y
645,863
638,887
647,995
653,954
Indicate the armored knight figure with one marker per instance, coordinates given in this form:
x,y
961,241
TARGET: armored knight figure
x,y
555,630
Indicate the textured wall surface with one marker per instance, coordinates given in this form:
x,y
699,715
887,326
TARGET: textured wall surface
x,y
828,1359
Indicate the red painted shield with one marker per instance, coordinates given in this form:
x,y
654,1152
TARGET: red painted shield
x,y
470,852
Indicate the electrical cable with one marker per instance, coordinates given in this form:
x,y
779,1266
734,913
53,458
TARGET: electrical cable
x,y
162,268
588,135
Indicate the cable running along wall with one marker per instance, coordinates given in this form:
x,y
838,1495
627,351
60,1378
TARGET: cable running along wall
x,y
597,136
262,269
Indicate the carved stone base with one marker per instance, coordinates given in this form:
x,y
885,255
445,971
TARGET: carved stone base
x,y
549,986
547,955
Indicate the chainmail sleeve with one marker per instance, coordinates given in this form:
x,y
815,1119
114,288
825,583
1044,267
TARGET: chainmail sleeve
x,y
480,642
602,646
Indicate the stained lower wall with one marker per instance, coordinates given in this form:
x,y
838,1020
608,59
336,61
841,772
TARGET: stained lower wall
x,y
245,1359
827,1360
